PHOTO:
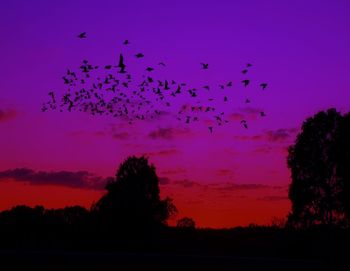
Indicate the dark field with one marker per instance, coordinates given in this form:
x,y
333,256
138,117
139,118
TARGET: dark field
x,y
58,260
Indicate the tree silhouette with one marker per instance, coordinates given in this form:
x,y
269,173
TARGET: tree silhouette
x,y
319,163
132,198
344,167
186,223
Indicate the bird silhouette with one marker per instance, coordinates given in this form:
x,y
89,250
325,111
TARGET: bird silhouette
x,y
205,66
121,64
82,35
245,82
263,85
122,95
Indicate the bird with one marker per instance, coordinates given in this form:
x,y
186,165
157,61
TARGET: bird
x,y
205,66
244,122
121,64
82,35
244,71
249,65
247,101
139,55
161,64
126,42
149,69
262,114
263,85
245,82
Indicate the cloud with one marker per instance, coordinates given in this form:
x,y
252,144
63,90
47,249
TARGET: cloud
x,y
122,135
168,152
279,135
8,114
188,183
273,198
173,171
78,179
249,138
235,186
164,133
225,172
164,180
168,133
221,187
263,149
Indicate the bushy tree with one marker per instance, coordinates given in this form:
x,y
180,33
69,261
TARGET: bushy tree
x,y
320,165
132,198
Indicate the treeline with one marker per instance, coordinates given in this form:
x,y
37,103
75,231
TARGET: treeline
x,y
131,214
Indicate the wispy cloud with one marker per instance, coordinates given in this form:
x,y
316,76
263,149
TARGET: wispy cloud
x,y
279,135
78,179
121,136
220,186
168,133
236,186
164,180
167,152
7,114
273,198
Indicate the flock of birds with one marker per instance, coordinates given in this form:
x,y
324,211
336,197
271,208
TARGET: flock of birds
x,y
117,94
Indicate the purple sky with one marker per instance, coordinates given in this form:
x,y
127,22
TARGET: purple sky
x,y
301,48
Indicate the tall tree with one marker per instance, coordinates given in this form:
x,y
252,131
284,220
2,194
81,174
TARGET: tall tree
x,y
319,164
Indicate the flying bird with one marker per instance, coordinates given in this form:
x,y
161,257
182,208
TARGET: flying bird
x,y
262,114
139,55
121,64
244,71
245,82
149,69
205,66
263,85
126,42
82,35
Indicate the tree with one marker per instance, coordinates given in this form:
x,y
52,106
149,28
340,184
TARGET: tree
x,y
186,223
132,198
319,164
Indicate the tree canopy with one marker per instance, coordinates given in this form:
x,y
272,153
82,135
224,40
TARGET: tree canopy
x,y
132,198
320,169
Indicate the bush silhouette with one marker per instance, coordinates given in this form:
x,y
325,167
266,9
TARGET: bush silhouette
x,y
186,223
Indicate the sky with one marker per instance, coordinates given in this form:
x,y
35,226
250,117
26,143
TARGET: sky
x,y
233,176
